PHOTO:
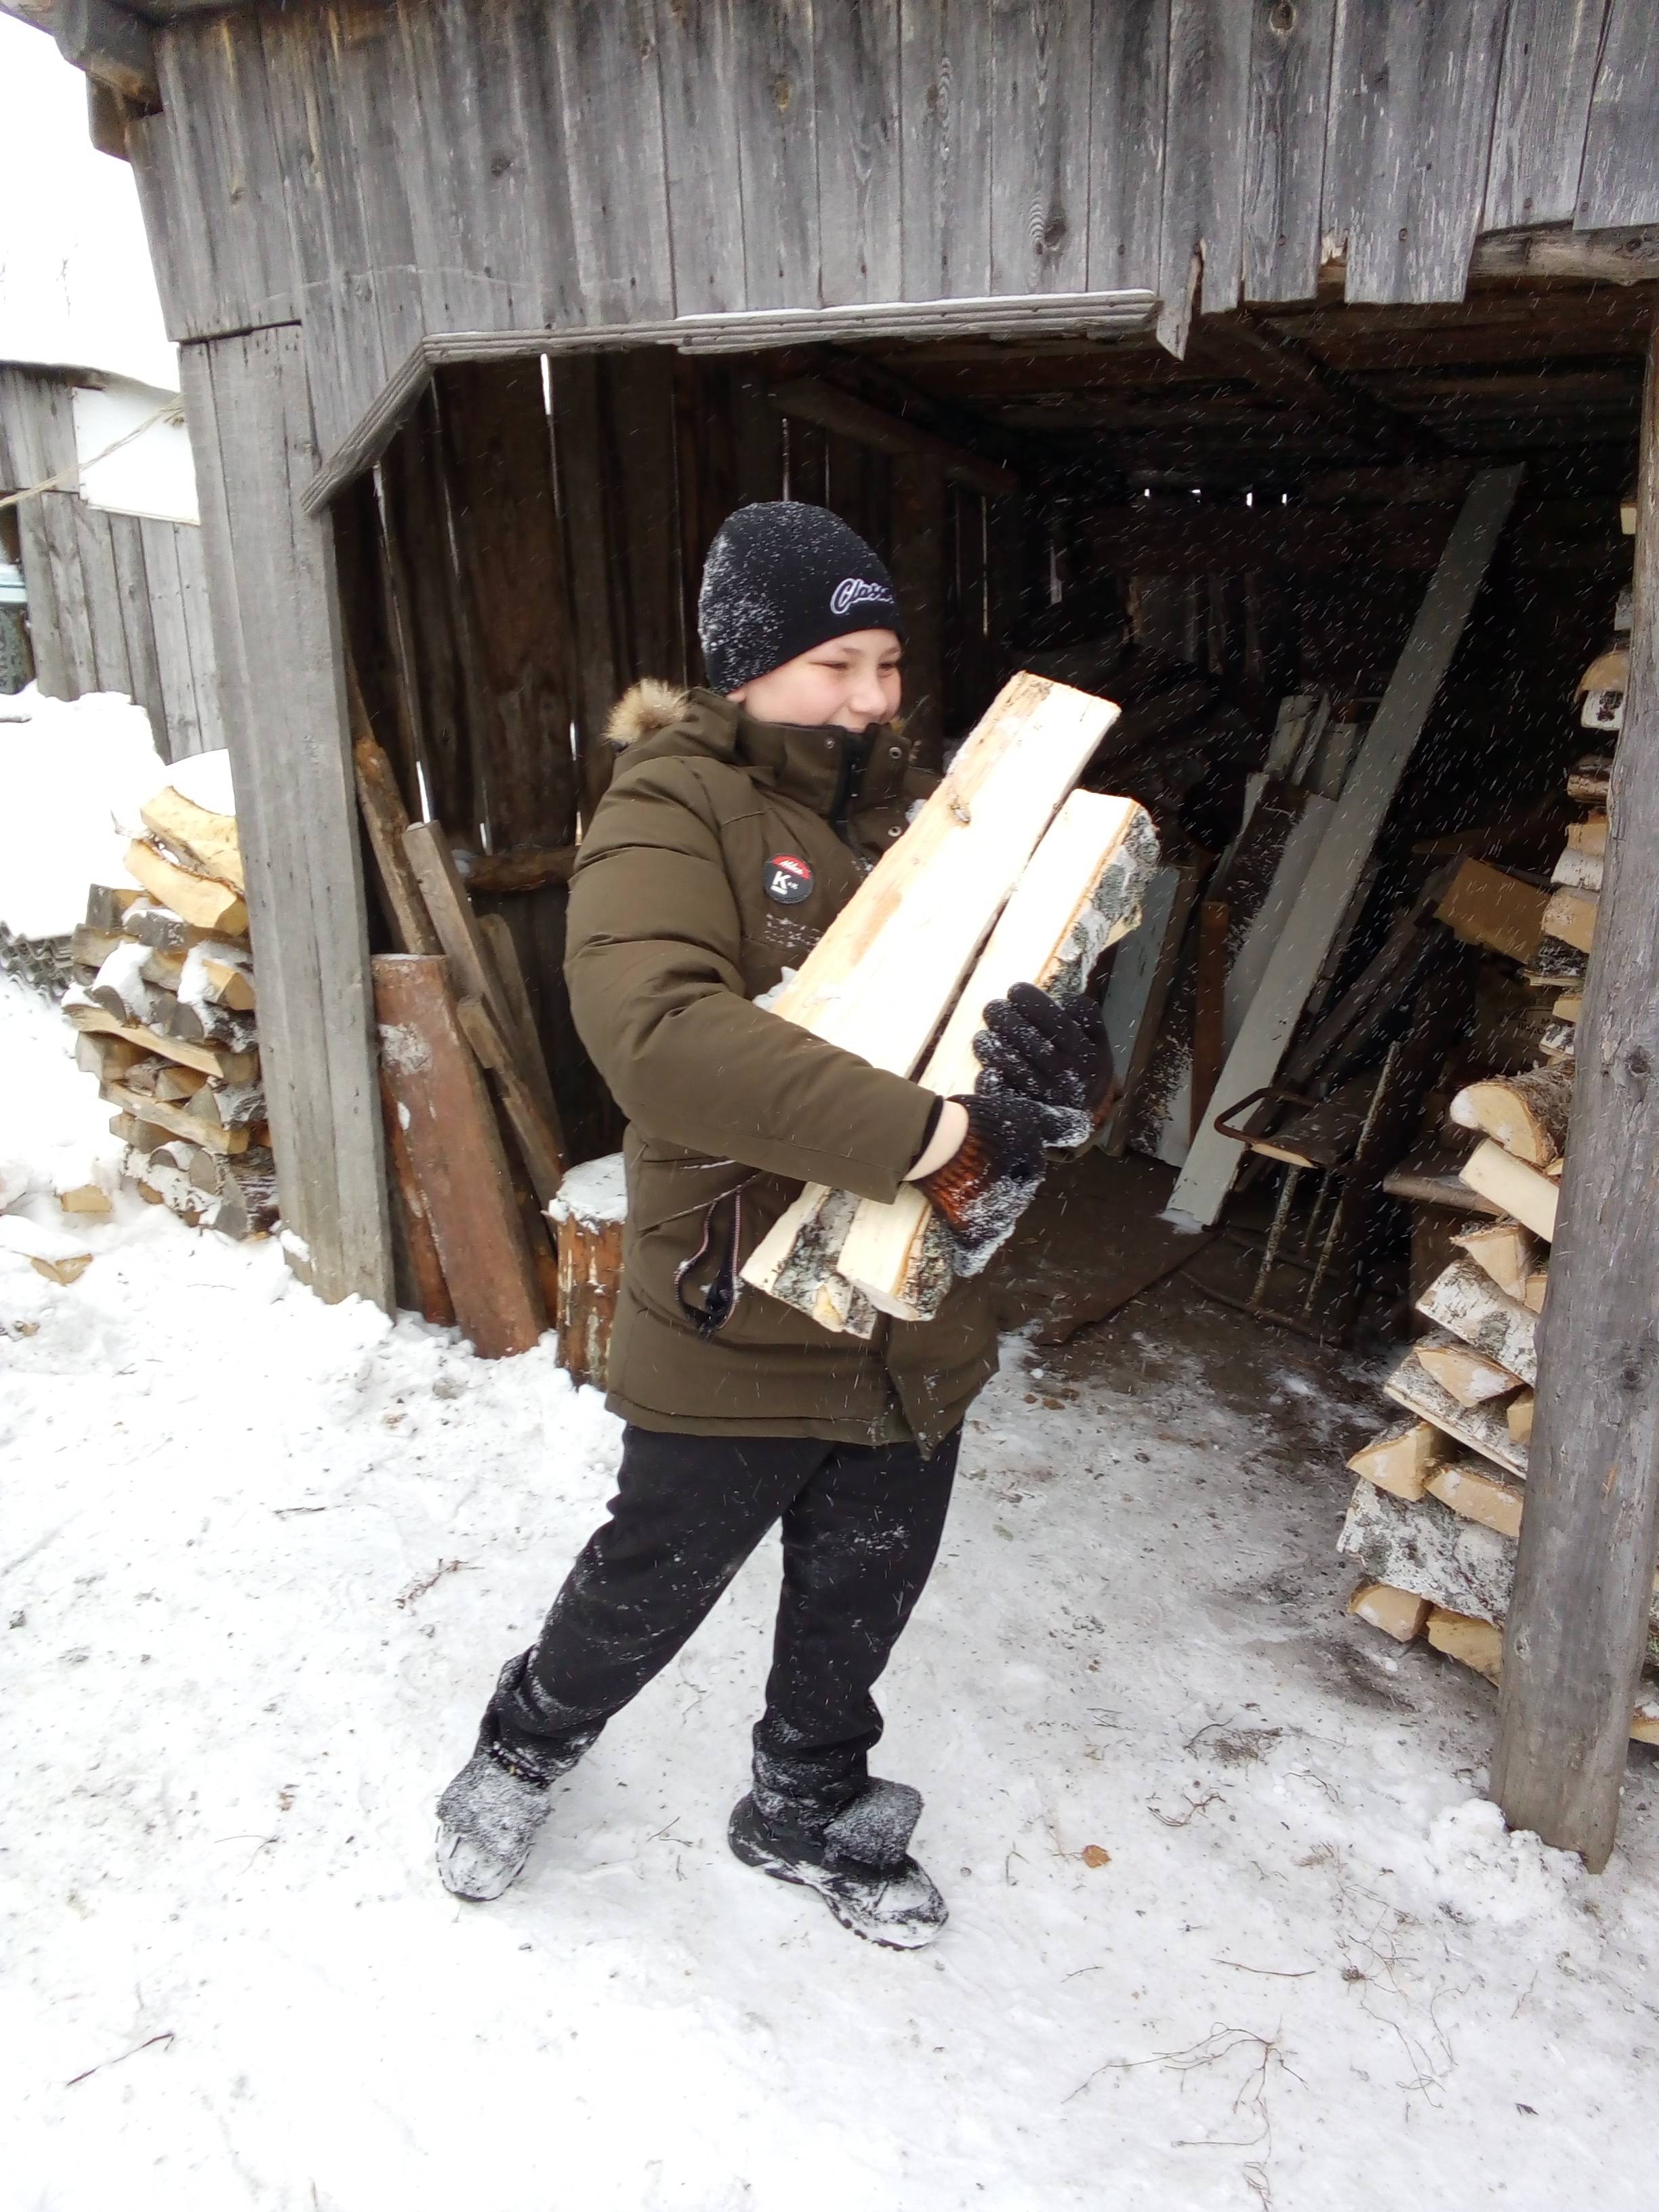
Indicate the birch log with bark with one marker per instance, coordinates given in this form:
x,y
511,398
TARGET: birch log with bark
x,y
889,968
1081,893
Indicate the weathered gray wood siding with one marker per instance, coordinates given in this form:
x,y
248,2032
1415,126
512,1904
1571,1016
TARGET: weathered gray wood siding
x,y
379,173
115,603
276,620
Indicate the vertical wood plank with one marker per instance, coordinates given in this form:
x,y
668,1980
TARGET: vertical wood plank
x,y
855,65
1620,184
945,65
919,578
138,624
505,544
1041,54
188,545
1550,50
775,96
586,515
1584,1582
1201,249
1414,91
424,617
211,182
641,395
74,618
1130,78
608,69
757,439
111,671
270,570
45,616
696,55
1284,154
167,614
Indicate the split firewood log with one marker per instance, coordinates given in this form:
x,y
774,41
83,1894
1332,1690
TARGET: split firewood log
x,y
1395,1612
1470,1305
202,900
1402,1458
204,840
1528,1113
1468,1375
1510,1183
1504,1250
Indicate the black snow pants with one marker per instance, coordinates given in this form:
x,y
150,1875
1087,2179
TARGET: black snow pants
x,y
862,1528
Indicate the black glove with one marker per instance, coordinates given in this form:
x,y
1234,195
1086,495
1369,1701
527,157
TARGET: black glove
x,y
993,1176
1054,1051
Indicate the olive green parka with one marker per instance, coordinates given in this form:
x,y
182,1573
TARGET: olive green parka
x,y
681,917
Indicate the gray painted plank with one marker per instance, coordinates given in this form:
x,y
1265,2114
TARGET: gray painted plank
x,y
856,73
1414,89
1253,1061
37,426
1550,51
1284,154
476,195
1203,213
1619,185
608,68
94,540
696,53
1583,1580
57,513
1126,155
945,65
774,97
46,621
274,619
172,638
1041,62
211,188
190,548
132,586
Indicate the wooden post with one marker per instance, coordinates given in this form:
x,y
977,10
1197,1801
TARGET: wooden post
x,y
1584,1578
270,573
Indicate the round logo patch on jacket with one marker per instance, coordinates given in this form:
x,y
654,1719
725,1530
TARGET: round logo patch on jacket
x,y
788,879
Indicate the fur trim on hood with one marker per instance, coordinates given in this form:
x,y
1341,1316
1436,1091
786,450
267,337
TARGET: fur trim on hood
x,y
644,710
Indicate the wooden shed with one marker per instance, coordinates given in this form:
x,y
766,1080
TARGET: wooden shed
x,y
116,601
1187,313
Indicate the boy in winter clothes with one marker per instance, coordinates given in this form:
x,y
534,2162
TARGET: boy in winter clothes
x,y
740,821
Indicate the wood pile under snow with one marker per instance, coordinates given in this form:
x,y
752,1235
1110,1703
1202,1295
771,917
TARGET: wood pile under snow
x,y
165,1003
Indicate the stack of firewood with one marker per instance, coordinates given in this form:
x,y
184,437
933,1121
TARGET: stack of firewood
x,y
1436,1516
163,998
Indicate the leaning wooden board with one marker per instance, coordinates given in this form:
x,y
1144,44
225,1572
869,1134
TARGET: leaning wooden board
x,y
1252,1062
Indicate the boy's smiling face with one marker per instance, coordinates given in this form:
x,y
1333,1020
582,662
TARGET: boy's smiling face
x,y
848,683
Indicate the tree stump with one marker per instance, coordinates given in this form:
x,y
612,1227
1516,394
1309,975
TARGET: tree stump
x,y
587,1214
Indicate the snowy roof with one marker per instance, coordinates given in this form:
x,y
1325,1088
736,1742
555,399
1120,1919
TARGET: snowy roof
x,y
76,286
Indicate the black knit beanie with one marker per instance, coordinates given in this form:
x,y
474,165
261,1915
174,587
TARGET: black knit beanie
x,y
782,577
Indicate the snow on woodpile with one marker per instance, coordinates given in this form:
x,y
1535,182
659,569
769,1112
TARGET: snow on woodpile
x,y
73,776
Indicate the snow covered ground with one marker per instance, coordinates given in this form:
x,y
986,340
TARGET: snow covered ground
x,y
1231,1926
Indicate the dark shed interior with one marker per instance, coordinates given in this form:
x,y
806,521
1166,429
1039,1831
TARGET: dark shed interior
x,y
1196,538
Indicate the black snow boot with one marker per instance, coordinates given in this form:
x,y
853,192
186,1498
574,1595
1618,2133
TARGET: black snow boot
x,y
492,1812
858,1861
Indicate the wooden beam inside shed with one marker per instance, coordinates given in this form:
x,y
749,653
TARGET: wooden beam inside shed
x,y
1579,1620
812,399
